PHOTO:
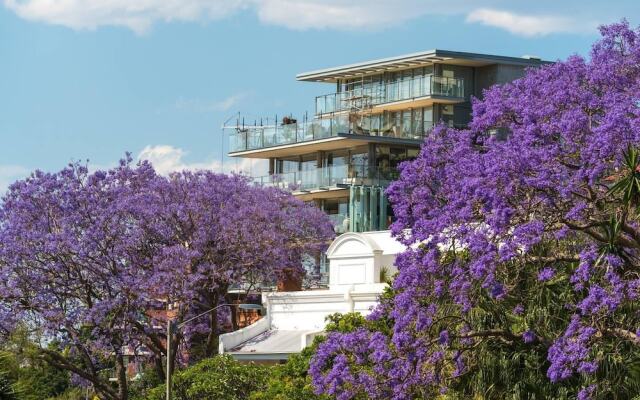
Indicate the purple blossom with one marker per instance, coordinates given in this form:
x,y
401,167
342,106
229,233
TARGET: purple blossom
x,y
91,258
546,274
489,220
518,309
528,336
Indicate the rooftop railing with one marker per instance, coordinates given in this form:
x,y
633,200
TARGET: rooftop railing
x,y
389,92
255,137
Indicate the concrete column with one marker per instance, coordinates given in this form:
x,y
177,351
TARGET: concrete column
x,y
272,166
383,209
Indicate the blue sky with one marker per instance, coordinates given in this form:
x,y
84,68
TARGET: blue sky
x,y
93,79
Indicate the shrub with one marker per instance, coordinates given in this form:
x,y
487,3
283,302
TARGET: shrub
x,y
216,378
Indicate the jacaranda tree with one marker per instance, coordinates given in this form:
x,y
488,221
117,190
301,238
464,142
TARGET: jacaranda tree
x,y
525,237
88,259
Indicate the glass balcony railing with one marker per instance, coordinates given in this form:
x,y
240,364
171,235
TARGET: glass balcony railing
x,y
390,92
329,177
259,137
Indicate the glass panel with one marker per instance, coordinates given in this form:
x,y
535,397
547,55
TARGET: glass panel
x,y
382,156
399,86
254,139
416,124
405,85
427,119
406,124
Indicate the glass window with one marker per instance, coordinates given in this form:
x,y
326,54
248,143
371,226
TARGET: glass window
x,y
416,124
405,84
406,124
336,158
447,109
396,156
382,156
412,153
392,87
427,118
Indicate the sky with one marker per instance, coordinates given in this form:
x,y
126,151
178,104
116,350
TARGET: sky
x,y
94,79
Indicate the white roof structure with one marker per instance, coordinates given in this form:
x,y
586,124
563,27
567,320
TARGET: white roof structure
x,y
414,60
294,318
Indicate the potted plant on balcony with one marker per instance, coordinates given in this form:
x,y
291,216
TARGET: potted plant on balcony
x,y
288,120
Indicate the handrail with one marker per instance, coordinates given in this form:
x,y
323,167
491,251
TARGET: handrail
x,y
264,136
389,92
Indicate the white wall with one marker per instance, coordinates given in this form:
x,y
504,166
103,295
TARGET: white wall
x,y
307,310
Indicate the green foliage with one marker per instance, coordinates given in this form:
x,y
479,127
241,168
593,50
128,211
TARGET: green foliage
x,y
216,378
72,394
629,183
344,323
7,390
290,381
30,378
149,379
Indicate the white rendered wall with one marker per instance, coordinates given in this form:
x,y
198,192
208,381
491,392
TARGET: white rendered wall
x,y
307,310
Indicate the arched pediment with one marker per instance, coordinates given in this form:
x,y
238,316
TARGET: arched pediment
x,y
352,244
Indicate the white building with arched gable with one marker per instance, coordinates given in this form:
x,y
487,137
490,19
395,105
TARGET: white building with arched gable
x,y
357,262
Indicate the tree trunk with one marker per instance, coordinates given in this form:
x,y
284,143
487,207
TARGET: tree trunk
x,y
121,376
234,313
211,347
212,338
157,366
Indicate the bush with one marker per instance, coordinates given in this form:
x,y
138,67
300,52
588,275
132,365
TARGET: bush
x,y
216,378
290,381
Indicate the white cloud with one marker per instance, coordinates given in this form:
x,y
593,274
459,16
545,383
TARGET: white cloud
x,y
331,14
522,18
525,25
136,15
140,15
167,159
205,106
10,174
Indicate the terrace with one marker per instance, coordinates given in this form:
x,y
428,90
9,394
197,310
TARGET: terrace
x,y
422,90
327,178
341,127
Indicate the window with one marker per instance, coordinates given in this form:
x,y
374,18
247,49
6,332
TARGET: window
x,y
427,118
406,124
447,109
416,124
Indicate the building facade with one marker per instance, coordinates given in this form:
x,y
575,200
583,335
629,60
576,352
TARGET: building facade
x,y
344,156
360,263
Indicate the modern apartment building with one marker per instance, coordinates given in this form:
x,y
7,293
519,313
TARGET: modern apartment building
x,y
344,156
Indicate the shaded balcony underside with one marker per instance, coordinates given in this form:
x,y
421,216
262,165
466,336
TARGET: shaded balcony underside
x,y
341,141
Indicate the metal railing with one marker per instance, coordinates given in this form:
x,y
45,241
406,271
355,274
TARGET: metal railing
x,y
329,177
389,92
263,136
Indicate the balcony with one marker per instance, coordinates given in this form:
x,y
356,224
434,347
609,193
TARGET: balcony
x,y
247,138
382,96
329,178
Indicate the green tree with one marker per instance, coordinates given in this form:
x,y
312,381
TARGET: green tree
x,y
291,381
7,390
216,378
